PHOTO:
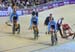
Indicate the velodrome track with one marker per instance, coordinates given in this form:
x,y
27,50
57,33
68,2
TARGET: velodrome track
x,y
24,42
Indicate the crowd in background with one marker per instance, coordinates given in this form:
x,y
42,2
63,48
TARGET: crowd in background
x,y
23,3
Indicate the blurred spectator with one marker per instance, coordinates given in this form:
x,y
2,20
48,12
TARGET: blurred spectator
x,y
42,2
0,3
37,2
23,3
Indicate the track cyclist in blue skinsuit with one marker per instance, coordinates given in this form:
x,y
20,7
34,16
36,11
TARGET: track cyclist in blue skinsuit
x,y
52,29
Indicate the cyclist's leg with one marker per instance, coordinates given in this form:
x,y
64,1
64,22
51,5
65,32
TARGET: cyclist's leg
x,y
55,37
52,38
36,31
73,36
33,26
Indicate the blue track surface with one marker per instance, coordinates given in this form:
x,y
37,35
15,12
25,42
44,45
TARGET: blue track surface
x,y
68,47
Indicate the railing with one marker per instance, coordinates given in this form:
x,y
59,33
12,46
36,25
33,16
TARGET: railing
x,y
40,7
